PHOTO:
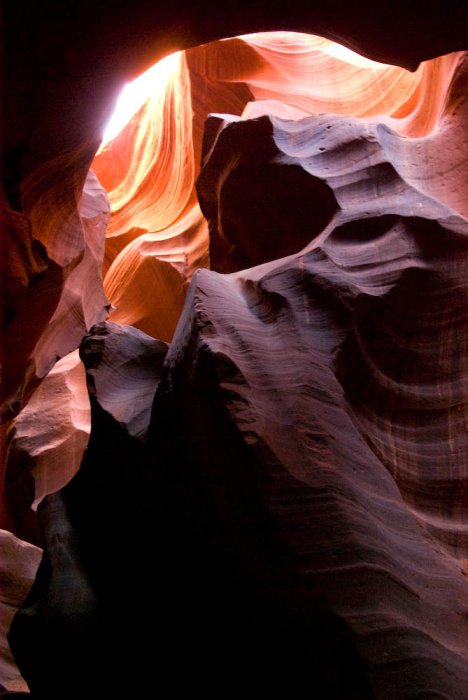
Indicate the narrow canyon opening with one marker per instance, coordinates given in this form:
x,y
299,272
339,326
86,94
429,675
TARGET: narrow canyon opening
x,y
258,454
152,152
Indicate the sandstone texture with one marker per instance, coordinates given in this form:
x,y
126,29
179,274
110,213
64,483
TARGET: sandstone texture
x,y
234,404
292,487
47,441
123,367
18,562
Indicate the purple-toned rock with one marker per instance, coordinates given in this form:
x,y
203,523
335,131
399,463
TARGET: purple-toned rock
x,y
18,563
123,367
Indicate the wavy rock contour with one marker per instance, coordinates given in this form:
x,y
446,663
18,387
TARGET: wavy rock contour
x,y
298,404
302,485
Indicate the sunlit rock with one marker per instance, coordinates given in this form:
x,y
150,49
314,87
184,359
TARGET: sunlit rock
x,y
64,296
291,490
123,367
150,165
297,502
162,265
47,439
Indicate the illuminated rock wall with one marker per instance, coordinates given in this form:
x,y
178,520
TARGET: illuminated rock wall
x,y
156,229
333,376
156,235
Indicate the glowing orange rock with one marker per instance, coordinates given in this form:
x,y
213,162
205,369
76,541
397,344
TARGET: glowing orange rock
x,y
156,169
297,448
79,251
150,166
156,235
161,264
64,294
315,76
326,390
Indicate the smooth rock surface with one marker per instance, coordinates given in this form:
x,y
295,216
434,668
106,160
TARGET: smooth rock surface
x,y
123,367
274,495
409,397
64,296
46,442
18,561
302,487
156,235
99,531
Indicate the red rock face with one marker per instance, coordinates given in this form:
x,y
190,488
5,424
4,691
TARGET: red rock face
x,y
157,235
298,459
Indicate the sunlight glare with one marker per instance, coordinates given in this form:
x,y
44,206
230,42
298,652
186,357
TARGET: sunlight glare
x,y
342,53
151,83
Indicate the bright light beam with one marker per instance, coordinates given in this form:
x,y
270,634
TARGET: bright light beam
x,y
151,83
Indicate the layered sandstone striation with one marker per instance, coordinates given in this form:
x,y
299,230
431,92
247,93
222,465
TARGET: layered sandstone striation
x,y
393,266
282,466
60,290
47,440
291,490
156,235
123,366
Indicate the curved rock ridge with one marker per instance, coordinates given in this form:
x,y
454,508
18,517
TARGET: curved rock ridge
x,y
149,168
302,484
275,524
123,367
62,294
266,358
162,265
302,481
149,172
157,235
398,256
47,441
82,300
313,75
142,172
102,519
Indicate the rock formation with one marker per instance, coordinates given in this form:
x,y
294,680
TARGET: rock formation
x,y
297,451
156,235
123,366
47,441
98,530
18,562
283,487
376,252
60,291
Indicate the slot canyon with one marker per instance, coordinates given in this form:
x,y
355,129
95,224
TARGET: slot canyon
x,y
235,350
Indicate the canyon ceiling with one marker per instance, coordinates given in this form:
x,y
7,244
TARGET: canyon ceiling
x,y
234,343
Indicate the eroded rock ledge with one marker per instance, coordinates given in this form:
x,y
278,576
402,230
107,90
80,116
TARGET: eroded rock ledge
x,y
287,513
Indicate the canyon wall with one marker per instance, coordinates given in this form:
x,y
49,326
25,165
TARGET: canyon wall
x,y
288,474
